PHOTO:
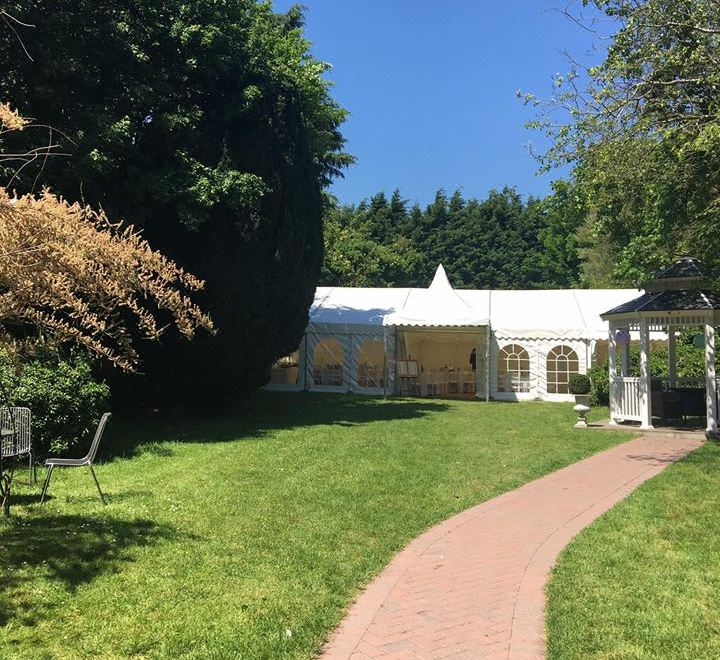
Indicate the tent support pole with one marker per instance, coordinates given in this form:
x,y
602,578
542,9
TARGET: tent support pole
x,y
488,332
306,385
385,356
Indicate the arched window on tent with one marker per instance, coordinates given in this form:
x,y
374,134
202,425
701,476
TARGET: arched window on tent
x,y
562,361
328,363
513,369
371,364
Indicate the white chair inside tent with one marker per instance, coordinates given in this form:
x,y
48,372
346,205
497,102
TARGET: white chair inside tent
x,y
453,382
443,382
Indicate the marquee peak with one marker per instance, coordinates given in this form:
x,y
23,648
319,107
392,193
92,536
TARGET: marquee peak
x,y
440,280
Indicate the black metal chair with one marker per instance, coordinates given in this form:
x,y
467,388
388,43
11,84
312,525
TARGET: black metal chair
x,y
18,441
88,459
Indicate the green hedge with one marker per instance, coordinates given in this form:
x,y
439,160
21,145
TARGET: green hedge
x,y
65,398
600,390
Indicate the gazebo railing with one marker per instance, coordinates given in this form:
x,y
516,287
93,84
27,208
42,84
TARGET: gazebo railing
x,y
694,382
627,397
626,393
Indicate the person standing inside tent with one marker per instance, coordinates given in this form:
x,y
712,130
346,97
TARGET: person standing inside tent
x,y
473,359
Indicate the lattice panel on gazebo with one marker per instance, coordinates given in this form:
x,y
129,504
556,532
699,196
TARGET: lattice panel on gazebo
x,y
661,323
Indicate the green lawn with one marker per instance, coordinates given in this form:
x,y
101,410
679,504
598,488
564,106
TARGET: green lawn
x,y
247,537
644,580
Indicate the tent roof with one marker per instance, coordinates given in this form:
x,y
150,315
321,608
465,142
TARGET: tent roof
x,y
352,307
437,306
549,313
552,314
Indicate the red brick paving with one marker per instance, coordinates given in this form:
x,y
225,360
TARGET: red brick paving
x,y
473,586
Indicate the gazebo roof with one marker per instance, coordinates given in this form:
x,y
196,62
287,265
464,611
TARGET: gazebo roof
x,y
679,287
683,268
669,301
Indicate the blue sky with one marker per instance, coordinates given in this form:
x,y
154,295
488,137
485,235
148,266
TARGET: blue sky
x,y
431,88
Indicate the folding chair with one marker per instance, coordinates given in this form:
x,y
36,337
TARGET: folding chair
x,y
88,459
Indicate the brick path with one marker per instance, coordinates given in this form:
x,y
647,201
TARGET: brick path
x,y
473,586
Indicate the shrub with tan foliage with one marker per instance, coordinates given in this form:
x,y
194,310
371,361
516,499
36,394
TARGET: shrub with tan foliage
x,y
69,272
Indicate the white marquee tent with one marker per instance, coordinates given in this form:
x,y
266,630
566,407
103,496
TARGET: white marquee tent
x,y
421,341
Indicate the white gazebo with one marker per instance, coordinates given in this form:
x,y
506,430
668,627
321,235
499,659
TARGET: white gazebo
x,y
677,298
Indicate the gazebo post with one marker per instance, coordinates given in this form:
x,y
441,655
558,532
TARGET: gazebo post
x,y
710,379
612,369
646,403
672,363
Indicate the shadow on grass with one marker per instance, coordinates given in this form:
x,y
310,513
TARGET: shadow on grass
x,y
260,414
69,549
24,498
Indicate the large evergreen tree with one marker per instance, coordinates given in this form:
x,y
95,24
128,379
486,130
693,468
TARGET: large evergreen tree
x,y
565,215
210,125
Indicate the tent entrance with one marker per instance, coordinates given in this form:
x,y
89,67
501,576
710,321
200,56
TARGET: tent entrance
x,y
441,362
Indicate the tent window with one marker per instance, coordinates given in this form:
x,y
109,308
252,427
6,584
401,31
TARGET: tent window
x,y
371,364
562,361
286,370
513,369
328,362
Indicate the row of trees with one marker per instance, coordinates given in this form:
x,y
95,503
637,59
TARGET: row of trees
x,y
499,242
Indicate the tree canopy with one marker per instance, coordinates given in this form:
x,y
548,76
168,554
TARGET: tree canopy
x,y
210,126
643,134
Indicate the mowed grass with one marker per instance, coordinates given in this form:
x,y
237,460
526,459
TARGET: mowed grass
x,y
644,580
248,536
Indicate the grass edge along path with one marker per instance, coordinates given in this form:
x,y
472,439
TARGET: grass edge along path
x,y
248,536
643,581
